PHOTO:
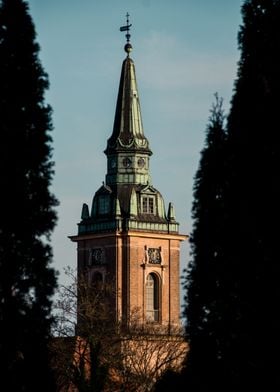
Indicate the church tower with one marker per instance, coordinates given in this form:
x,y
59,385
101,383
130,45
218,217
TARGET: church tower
x,y
127,237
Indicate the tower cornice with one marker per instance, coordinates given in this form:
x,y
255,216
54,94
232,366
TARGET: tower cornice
x,y
119,233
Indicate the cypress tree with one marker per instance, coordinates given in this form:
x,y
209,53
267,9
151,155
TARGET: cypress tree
x,y
205,299
254,145
233,298
27,215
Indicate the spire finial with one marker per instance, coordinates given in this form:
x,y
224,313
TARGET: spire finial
x,y
128,46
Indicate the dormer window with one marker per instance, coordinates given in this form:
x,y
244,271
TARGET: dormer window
x,y
148,204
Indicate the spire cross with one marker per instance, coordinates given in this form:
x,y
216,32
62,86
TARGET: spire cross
x,y
127,28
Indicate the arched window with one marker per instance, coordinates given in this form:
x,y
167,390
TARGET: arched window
x,y
152,298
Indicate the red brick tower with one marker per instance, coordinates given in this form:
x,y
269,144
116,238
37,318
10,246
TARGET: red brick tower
x,y
127,237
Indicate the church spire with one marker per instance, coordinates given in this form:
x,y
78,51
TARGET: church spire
x,y
128,134
127,199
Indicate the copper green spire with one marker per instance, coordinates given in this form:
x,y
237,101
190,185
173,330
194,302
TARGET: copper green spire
x,y
128,131
127,199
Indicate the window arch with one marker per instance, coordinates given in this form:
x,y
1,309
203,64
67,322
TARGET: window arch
x,y
152,298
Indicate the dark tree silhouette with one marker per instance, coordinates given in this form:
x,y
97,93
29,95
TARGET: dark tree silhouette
x,y
233,281
206,301
254,209
27,216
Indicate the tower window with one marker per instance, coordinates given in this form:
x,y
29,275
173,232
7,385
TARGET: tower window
x,y
148,205
152,298
103,204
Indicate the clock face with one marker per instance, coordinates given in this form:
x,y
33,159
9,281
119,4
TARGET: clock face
x,y
96,255
154,255
141,162
127,162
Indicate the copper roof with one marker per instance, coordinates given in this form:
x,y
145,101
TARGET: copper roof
x,y
128,131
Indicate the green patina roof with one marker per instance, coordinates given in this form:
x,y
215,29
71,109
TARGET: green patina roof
x,y
128,201
128,131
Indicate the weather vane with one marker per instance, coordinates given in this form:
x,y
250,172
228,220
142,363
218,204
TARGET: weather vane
x,y
128,46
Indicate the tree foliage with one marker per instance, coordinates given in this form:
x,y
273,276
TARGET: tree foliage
x,y
83,351
100,355
254,209
206,301
233,280
27,215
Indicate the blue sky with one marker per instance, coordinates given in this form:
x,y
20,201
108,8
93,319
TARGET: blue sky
x,y
184,52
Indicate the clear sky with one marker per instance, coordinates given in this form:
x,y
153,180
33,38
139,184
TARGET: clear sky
x,y
184,52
